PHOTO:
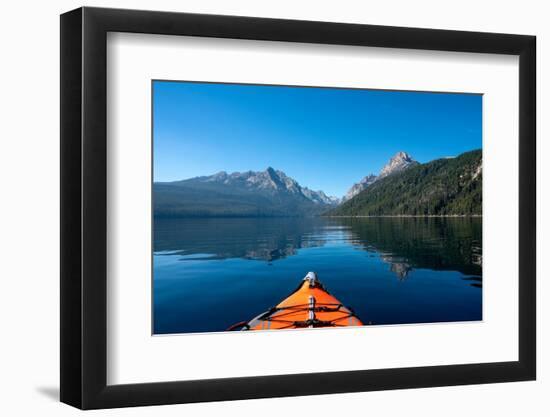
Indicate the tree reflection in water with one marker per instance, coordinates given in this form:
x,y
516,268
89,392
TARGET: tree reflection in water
x,y
404,243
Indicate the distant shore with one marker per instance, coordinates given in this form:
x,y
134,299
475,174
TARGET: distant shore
x,y
316,216
411,215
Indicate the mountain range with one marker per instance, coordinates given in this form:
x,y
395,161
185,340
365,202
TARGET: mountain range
x,y
403,187
239,194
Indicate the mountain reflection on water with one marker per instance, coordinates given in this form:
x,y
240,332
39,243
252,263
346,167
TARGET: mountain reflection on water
x,y
407,243
209,273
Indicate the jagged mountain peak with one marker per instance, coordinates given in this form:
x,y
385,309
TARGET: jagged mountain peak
x,y
368,179
360,186
400,161
401,155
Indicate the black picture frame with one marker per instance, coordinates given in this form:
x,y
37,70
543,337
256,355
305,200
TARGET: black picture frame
x,y
84,207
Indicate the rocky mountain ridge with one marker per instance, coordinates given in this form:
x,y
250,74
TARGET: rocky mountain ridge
x,y
397,163
270,180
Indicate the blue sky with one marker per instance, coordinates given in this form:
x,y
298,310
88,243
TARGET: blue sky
x,y
327,139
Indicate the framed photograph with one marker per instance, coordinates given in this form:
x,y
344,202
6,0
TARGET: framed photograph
x,y
256,208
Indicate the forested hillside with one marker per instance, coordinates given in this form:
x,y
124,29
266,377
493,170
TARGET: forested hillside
x,y
450,186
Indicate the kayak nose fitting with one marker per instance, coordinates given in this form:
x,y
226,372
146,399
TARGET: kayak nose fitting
x,y
312,278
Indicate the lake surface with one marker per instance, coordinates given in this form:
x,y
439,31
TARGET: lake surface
x,y
210,273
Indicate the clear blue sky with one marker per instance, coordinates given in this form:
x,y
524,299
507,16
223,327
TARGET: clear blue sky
x,y
327,139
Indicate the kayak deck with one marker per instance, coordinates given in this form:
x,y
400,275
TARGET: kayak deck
x,y
309,306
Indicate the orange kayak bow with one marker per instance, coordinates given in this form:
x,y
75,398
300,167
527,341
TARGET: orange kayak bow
x,y
309,306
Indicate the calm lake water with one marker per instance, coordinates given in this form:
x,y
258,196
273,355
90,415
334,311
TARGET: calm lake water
x,y
212,273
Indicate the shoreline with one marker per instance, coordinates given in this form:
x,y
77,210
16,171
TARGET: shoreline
x,y
321,216
409,215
